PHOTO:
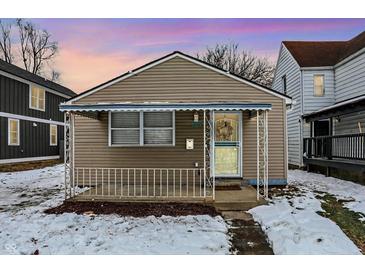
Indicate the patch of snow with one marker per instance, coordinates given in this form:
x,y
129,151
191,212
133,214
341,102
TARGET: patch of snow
x,y
25,229
292,224
19,190
341,189
110,234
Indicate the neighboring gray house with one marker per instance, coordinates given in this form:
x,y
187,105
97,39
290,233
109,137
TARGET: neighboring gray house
x,y
326,80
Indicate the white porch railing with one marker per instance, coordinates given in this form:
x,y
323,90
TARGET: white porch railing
x,y
141,182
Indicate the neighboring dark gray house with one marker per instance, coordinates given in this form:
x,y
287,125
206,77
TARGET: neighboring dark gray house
x,y
31,125
326,80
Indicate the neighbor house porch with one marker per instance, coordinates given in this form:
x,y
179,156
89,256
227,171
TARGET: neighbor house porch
x,y
151,137
336,139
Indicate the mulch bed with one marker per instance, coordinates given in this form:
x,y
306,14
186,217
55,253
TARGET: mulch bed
x,y
28,165
133,209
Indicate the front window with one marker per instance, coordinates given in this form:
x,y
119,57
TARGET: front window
x,y
141,128
53,135
13,132
318,85
37,98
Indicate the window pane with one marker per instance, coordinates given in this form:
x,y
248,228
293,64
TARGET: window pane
x,y
125,136
318,85
37,97
33,102
41,104
41,94
226,127
13,126
157,119
53,134
226,160
13,132
158,136
14,137
125,120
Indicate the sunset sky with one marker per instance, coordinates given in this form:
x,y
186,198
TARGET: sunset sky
x,y
95,50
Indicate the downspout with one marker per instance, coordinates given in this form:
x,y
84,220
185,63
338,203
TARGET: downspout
x,y
300,121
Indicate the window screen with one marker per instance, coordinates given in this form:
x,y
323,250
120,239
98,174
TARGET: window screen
x,y
158,128
155,128
124,128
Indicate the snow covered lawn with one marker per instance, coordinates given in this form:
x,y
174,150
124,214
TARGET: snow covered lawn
x,y
292,224
25,229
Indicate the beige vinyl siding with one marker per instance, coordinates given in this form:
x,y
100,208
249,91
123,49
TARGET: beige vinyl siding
x,y
178,80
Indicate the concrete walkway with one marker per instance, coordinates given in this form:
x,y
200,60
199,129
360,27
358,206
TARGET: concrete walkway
x,y
247,237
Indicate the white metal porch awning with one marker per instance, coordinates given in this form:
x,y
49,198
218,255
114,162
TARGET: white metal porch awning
x,y
164,107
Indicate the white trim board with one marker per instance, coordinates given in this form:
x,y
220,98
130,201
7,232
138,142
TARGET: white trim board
x,y
167,58
28,159
28,118
11,76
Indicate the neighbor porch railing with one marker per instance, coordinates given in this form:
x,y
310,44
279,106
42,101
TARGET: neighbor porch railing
x,y
140,182
349,146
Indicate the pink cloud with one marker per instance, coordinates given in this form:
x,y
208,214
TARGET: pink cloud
x,y
81,70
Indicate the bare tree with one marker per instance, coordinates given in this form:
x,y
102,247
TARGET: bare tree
x,y
55,76
229,57
36,47
5,42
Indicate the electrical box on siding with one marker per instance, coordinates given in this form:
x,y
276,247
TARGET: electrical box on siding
x,y
189,143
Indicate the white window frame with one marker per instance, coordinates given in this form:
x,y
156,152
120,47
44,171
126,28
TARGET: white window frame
x,y
18,132
314,85
50,135
284,84
141,132
30,98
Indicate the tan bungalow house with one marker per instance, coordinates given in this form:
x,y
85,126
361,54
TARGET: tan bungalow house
x,y
174,129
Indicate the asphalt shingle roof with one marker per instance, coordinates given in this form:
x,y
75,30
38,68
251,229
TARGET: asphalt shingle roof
x,y
26,75
324,53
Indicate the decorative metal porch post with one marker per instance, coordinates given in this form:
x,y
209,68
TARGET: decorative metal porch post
x,y
209,177
262,153
68,151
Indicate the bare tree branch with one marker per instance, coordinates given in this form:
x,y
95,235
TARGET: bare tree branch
x,y
242,63
5,43
36,46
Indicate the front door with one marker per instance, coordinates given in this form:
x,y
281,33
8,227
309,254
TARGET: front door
x,y
321,128
227,144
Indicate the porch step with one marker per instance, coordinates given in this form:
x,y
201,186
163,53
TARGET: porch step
x,y
229,184
236,206
235,200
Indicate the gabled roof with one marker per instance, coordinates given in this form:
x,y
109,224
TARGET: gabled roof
x,y
26,75
324,53
186,57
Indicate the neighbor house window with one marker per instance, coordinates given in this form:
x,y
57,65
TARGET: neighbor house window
x,y
13,132
141,128
283,83
53,135
37,98
318,85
